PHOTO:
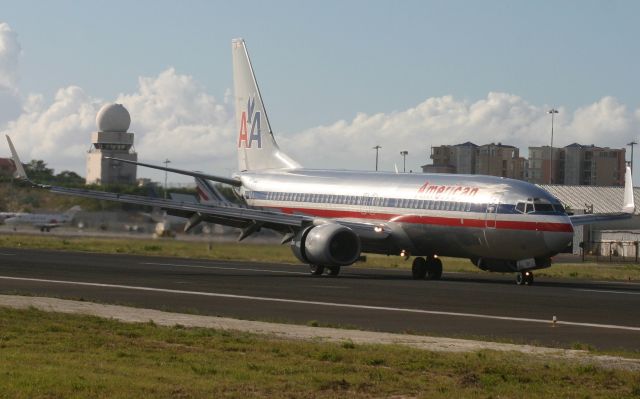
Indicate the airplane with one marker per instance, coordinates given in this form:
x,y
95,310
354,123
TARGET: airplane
x,y
331,218
6,215
43,221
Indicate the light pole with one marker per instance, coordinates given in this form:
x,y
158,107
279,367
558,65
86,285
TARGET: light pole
x,y
632,144
165,162
377,148
404,160
552,111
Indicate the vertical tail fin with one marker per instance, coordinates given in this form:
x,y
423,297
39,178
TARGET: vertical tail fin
x,y
629,205
208,194
257,148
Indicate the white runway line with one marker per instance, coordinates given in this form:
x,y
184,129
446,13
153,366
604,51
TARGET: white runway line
x,y
223,268
328,304
607,291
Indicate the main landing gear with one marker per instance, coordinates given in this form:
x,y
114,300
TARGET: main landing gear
x,y
524,278
429,268
317,270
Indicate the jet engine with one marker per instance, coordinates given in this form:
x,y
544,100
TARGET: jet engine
x,y
328,244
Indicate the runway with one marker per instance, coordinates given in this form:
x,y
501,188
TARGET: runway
x,y
488,306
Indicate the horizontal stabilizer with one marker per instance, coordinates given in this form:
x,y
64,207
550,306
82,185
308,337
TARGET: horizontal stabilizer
x,y
225,180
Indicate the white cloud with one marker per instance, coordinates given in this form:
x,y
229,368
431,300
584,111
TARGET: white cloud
x,y
171,114
500,117
9,55
174,117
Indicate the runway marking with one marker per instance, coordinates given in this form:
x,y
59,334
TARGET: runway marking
x,y
328,304
7,254
607,291
616,282
223,268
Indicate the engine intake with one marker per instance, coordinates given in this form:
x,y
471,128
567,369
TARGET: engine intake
x,y
328,244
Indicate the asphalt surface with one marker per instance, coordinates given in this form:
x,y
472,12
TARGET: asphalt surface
x,y
604,315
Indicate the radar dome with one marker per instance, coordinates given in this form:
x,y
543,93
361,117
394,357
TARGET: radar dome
x,y
113,118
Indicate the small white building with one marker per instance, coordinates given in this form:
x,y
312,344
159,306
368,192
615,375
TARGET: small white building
x,y
111,140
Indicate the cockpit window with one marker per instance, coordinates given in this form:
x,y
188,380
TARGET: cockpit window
x,y
542,205
539,205
559,208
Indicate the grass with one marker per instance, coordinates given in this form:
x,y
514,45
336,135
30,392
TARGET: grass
x,y
51,355
282,254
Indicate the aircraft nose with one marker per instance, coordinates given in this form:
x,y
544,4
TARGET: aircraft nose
x,y
557,241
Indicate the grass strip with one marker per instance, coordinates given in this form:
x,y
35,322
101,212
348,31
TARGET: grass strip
x,y
48,355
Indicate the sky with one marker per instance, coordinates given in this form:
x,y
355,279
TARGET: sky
x,y
337,77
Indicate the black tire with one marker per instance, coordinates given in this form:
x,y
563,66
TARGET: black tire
x,y
520,279
419,268
316,270
434,269
333,270
529,279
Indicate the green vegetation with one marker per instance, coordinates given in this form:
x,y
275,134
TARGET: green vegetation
x,y
282,254
51,355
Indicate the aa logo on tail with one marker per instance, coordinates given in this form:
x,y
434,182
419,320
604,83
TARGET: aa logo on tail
x,y
250,118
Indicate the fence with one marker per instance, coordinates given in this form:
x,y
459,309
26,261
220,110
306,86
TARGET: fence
x,y
612,251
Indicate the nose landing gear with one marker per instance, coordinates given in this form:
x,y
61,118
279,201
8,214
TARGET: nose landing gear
x,y
524,278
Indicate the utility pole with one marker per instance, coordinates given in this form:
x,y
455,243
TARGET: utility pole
x,y
552,111
165,162
404,160
377,148
632,144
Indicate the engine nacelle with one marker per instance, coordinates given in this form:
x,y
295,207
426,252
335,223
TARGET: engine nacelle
x,y
328,244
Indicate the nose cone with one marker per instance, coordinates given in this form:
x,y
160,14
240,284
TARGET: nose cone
x,y
557,241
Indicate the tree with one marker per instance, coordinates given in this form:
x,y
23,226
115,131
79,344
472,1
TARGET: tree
x,y
69,178
37,171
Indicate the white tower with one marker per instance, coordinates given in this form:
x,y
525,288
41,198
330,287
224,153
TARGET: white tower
x,y
111,140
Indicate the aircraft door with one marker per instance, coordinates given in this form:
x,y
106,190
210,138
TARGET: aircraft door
x,y
491,214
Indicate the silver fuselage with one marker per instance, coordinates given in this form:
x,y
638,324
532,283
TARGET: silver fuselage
x,y
467,216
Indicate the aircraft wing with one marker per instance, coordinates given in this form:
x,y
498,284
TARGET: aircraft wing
x,y
247,218
590,218
627,211
220,179
236,213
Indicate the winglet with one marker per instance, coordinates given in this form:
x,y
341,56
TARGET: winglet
x,y
629,204
20,172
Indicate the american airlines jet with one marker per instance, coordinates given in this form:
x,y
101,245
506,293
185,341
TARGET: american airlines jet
x,y
332,217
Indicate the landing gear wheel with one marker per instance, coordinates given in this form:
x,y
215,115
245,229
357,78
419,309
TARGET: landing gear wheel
x,y
333,270
419,268
524,278
434,269
316,270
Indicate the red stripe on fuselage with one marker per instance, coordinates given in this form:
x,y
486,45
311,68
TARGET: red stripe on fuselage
x,y
435,220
